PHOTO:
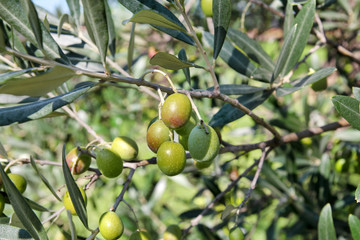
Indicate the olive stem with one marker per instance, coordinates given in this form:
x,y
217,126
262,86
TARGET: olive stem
x,y
123,191
194,107
162,73
161,102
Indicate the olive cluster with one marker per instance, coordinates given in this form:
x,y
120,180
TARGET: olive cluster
x,y
200,140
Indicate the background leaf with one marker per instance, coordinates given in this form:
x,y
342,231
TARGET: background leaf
x,y
34,21
354,224
137,5
74,7
38,85
252,49
228,113
168,61
14,233
326,229
237,89
96,18
22,209
154,18
111,29
221,19
12,13
31,111
304,21
74,192
348,108
45,181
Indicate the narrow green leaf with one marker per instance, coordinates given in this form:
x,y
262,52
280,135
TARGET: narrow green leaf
x,y
64,18
4,39
154,18
229,113
12,99
74,7
74,192
130,55
38,85
22,209
111,29
252,49
31,111
14,233
182,56
45,181
72,226
221,18
304,21
348,108
309,79
137,5
96,18
46,23
13,13
284,53
3,152
34,21
326,229
356,92
237,89
9,75
227,211
357,194
168,61
354,224
289,17
232,56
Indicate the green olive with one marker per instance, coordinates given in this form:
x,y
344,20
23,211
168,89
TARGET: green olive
x,y
207,7
176,110
110,226
157,134
171,158
125,147
140,235
173,232
19,181
109,163
81,160
68,203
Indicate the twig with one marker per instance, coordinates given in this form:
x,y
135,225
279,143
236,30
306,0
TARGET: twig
x,y
123,191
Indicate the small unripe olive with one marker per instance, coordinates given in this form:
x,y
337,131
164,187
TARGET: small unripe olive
x,y
81,160
173,232
176,110
68,203
171,158
110,226
189,125
236,234
203,164
206,6
19,181
109,163
140,235
183,140
157,134
2,203
203,146
125,147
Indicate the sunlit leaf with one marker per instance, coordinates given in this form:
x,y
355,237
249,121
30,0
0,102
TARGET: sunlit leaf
x,y
284,53
356,92
357,194
326,229
38,85
96,18
289,17
221,18
154,18
304,21
13,13
34,21
74,192
74,7
64,18
168,61
131,47
354,224
22,209
72,226
137,5
348,108
111,29
31,111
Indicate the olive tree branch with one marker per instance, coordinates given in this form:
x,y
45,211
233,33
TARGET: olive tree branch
x,y
199,45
